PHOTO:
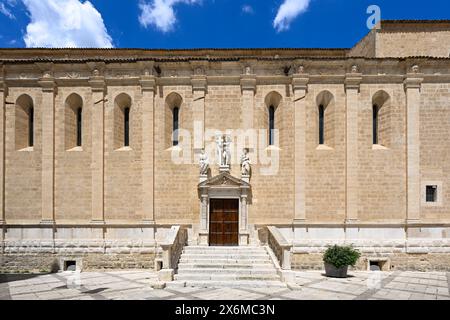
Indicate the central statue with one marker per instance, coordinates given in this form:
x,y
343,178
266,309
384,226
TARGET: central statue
x,y
223,146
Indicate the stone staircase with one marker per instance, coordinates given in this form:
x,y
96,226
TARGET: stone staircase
x,y
202,266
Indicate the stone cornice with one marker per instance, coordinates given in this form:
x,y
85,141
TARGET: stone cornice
x,y
300,81
47,82
97,83
199,82
413,81
248,82
353,81
148,83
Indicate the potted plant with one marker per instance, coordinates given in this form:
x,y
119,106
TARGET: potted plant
x,y
338,258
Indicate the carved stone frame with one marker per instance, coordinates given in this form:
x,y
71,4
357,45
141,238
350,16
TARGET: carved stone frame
x,y
224,186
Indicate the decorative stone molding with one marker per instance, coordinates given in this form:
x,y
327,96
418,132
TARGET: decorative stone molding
x,y
199,79
353,80
413,79
300,81
97,80
248,82
47,82
199,83
148,82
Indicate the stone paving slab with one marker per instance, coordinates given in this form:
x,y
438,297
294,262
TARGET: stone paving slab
x,y
309,285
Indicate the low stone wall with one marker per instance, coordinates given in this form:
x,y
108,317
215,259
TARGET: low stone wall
x,y
42,262
397,261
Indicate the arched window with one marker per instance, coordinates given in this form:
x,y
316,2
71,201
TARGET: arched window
x,y
375,110
271,125
321,124
24,122
31,127
272,121
382,114
126,126
175,124
123,119
326,119
79,126
173,119
73,121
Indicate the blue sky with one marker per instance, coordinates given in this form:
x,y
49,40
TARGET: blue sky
x,y
199,23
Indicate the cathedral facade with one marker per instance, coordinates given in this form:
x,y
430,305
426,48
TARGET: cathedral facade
x,y
104,151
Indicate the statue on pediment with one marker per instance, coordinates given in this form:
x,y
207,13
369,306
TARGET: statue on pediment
x,y
223,150
204,163
245,163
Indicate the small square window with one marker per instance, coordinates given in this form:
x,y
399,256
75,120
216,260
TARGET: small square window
x,y
431,193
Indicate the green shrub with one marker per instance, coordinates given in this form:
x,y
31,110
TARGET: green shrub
x,y
341,256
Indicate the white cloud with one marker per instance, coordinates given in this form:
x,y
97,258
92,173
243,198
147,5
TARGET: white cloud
x,y
65,23
247,9
287,12
6,11
160,13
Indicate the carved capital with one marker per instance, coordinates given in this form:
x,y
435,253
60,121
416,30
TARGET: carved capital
x,y
47,82
148,83
300,82
199,83
97,84
353,81
413,81
248,82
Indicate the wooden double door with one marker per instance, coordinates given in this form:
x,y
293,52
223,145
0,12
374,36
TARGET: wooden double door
x,y
224,222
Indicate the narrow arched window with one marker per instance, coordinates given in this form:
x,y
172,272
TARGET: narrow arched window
x,y
31,127
321,124
79,128
375,111
271,125
126,127
175,115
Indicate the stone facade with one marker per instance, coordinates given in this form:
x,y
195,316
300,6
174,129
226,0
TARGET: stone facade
x,y
112,204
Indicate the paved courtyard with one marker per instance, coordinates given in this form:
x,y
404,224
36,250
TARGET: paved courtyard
x,y
131,285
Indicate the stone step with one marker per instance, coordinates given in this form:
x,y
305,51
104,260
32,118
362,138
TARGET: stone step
x,y
201,271
207,260
223,250
225,284
216,265
226,277
231,256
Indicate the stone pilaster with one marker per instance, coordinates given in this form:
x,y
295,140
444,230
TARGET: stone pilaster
x,y
47,82
148,85
199,89
3,93
98,88
248,88
352,83
299,87
413,84
203,233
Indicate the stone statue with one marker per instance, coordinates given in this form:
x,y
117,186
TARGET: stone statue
x,y
355,69
226,153
245,163
415,69
219,147
223,152
248,70
204,163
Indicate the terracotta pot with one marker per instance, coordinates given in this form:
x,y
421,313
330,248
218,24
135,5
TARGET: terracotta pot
x,y
333,272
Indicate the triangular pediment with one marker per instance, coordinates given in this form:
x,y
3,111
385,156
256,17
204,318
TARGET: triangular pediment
x,y
224,179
